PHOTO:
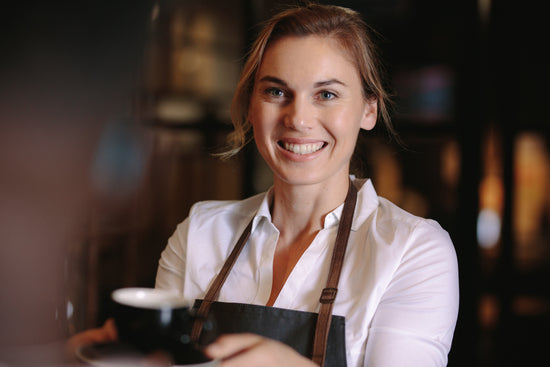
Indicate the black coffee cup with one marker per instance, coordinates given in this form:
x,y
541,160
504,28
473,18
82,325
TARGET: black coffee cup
x,y
155,320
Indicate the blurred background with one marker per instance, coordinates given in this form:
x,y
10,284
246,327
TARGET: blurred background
x,y
110,112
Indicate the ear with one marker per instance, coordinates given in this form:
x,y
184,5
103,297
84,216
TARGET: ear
x,y
370,114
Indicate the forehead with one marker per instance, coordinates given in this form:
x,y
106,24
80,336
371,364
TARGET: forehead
x,y
309,55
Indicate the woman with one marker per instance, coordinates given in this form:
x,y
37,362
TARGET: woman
x,y
309,86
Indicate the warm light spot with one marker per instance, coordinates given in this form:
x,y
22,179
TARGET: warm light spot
x,y
488,311
530,306
450,163
532,177
491,193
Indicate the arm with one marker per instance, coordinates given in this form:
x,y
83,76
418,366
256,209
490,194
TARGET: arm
x,y
170,273
415,319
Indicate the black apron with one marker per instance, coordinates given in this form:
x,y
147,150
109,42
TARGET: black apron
x,y
320,337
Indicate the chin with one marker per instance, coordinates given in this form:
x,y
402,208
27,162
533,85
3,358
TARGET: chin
x,y
294,178
310,174
303,179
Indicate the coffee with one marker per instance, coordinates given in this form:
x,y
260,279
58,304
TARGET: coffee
x,y
155,320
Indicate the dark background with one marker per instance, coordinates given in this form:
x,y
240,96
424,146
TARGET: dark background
x,y
69,69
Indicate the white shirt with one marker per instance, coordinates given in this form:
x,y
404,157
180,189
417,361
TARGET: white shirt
x,y
398,288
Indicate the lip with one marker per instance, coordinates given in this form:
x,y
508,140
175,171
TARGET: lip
x,y
297,156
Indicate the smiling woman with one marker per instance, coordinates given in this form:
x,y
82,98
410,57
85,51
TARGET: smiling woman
x,y
267,269
342,25
310,84
306,109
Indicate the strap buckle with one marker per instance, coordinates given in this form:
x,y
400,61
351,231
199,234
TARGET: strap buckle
x,y
328,295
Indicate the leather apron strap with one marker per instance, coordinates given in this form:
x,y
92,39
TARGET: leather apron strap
x,y
214,291
327,296
329,293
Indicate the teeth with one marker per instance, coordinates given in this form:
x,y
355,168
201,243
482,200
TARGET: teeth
x,y
303,148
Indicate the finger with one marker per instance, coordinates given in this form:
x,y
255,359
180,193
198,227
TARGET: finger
x,y
110,330
231,345
104,334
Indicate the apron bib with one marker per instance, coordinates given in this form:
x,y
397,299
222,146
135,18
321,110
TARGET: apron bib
x,y
320,337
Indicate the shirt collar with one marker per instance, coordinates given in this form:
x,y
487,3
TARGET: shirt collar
x,y
263,210
367,202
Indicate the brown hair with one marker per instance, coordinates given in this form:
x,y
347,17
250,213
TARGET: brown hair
x,y
341,23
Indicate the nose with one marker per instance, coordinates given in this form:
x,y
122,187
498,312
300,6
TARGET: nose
x,y
299,114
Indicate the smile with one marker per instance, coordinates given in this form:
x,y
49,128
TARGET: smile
x,y
303,148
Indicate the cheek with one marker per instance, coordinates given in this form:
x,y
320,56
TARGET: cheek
x,y
262,119
259,128
344,124
255,115
345,129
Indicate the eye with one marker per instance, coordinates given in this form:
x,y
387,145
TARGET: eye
x,y
275,92
326,95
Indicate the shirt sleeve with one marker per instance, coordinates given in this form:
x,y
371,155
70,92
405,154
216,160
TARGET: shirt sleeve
x,y
171,269
414,323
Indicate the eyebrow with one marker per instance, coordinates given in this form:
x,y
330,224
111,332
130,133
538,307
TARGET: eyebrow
x,y
322,83
273,79
329,82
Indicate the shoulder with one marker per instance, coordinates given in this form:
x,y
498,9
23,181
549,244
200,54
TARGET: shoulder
x,y
413,234
207,213
213,226
397,233
392,216
396,238
383,215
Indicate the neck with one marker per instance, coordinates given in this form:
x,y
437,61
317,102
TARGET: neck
x,y
301,209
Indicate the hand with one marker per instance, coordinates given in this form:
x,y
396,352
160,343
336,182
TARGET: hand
x,y
252,350
104,334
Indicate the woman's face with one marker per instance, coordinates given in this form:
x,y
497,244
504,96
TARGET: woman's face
x,y
306,110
